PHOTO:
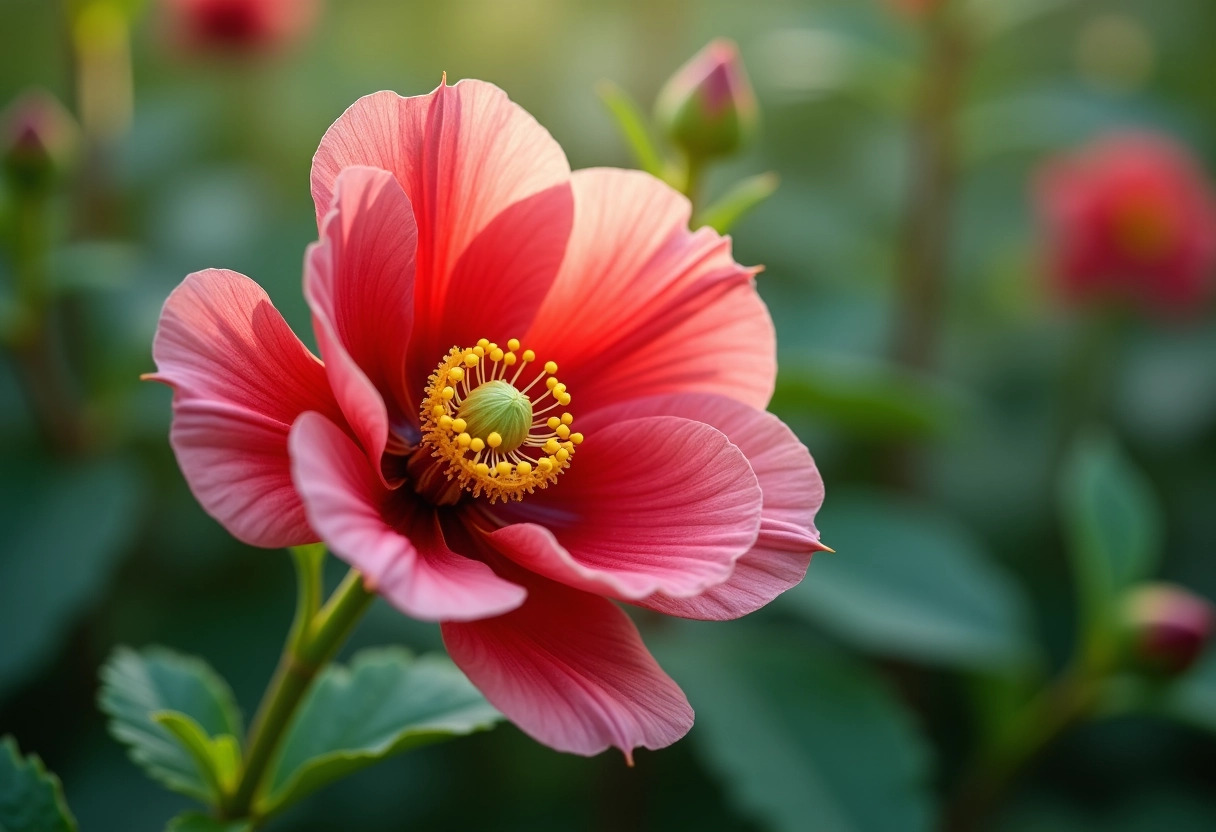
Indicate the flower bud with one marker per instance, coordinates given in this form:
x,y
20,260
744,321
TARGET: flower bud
x,y
1167,627
38,140
1130,218
708,108
246,26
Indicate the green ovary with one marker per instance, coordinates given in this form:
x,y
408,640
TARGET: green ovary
x,y
497,407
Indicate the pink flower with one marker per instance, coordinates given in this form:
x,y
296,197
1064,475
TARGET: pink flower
x,y
1168,626
1130,217
438,454
240,25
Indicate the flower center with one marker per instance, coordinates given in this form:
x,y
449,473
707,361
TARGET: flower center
x,y
500,430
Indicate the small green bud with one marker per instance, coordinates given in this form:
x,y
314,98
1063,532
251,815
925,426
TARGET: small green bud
x,y
708,108
38,141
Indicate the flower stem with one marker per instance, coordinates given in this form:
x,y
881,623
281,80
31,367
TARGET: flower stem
x,y
313,642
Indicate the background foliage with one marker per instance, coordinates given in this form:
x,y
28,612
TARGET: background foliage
x,y
971,501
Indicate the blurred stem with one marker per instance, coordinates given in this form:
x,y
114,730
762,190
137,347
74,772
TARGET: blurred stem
x,y
1067,701
314,640
694,176
924,249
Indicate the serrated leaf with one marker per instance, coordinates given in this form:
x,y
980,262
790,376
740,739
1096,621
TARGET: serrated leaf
x,y
66,530
198,822
1113,525
801,737
138,686
31,798
218,758
906,580
387,702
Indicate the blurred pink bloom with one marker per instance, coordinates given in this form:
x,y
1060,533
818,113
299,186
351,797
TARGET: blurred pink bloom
x,y
438,454
240,25
38,138
1169,626
708,108
1131,217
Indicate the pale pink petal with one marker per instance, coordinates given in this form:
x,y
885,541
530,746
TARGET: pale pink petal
x,y
359,282
240,378
793,493
644,306
570,669
491,196
390,536
649,505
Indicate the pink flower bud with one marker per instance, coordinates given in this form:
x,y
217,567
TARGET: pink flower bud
x,y
1131,217
38,139
240,25
708,108
1168,626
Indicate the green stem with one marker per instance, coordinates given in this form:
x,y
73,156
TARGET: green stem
x,y
308,649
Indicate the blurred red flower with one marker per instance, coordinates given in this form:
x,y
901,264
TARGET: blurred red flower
x,y
1130,217
240,25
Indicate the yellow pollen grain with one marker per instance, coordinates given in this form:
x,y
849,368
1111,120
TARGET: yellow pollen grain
x,y
567,419
551,446
477,445
456,374
544,464
449,392
553,422
576,438
482,468
503,468
484,343
563,431
529,355
445,421
493,440
550,367
559,388
496,354
460,426
471,359
524,468
551,382
479,351
438,410
562,455
464,440
563,399
509,359
512,344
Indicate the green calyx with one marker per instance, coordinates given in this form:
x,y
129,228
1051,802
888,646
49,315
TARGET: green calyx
x,y
497,407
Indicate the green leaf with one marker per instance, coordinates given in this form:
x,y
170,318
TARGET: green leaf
x,y
31,798
868,399
66,529
385,703
1114,530
218,759
198,822
797,732
146,692
1192,698
732,206
907,580
633,126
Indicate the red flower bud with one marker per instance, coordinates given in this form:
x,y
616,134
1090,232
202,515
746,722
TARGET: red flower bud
x,y
708,108
1168,627
240,25
38,139
1131,217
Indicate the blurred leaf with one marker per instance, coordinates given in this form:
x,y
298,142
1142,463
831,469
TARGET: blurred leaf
x,y
907,580
1192,698
94,265
218,759
198,822
31,798
633,126
992,19
387,702
866,398
1113,526
66,530
797,732
742,197
138,687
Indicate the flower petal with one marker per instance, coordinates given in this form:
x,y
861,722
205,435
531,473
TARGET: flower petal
x,y
571,670
359,282
491,196
240,377
649,505
643,306
392,538
793,493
